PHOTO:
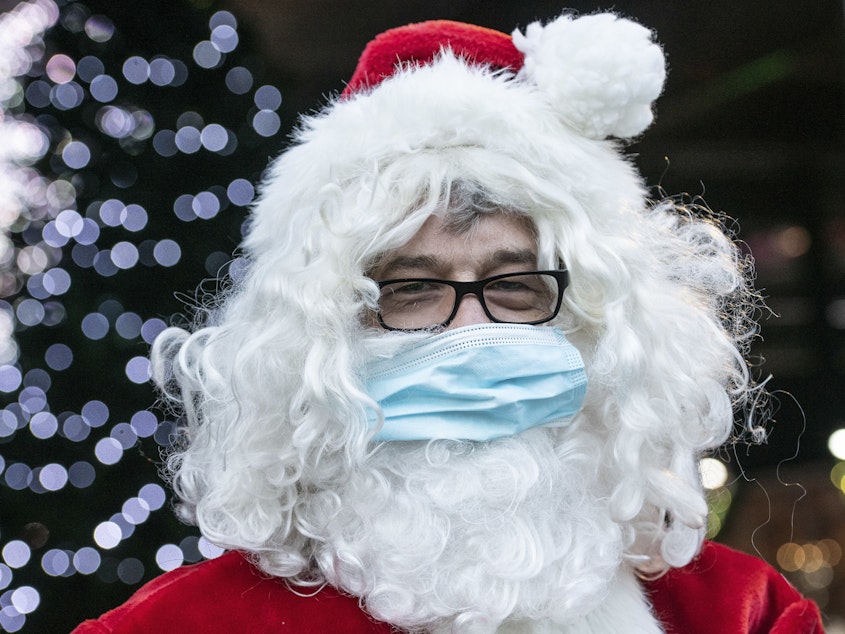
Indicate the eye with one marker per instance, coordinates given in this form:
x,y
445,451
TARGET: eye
x,y
412,293
521,297
414,286
507,285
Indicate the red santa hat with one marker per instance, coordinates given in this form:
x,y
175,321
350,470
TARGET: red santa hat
x,y
420,43
604,72
554,96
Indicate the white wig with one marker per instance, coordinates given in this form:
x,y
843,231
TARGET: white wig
x,y
659,303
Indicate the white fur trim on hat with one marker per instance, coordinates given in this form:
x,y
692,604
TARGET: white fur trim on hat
x,y
600,72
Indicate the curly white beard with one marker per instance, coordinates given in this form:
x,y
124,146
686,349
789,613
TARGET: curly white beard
x,y
463,537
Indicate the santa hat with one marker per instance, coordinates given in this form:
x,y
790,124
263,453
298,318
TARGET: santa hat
x,y
602,72
562,93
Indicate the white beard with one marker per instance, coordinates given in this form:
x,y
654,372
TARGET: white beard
x,y
511,536
625,609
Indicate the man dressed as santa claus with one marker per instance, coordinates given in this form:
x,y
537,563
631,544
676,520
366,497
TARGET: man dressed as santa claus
x,y
467,378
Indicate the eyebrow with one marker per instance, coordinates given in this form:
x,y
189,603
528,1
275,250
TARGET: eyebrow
x,y
510,256
396,265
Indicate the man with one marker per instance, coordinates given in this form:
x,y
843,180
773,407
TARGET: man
x,y
465,383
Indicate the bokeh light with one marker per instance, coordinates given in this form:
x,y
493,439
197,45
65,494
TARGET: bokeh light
x,y
92,134
107,535
836,444
56,562
90,67
167,252
239,80
214,137
162,71
188,139
104,88
224,38
266,123
138,370
16,553
99,28
169,556
60,68
136,70
268,98
207,55
25,599
58,357
714,474
53,477
714,478
130,571
814,561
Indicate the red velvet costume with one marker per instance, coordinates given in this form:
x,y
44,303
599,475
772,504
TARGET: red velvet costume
x,y
721,591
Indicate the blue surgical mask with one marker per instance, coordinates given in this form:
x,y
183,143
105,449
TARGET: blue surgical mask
x,y
478,383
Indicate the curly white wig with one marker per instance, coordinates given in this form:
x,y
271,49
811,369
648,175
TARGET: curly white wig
x,y
660,301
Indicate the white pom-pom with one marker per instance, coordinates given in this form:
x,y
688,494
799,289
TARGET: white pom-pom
x,y
600,71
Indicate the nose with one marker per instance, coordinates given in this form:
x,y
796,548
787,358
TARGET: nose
x,y
469,313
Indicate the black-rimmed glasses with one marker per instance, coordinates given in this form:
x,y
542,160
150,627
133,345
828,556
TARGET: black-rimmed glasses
x,y
419,303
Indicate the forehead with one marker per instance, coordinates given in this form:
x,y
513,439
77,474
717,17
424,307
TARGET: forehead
x,y
495,239
483,229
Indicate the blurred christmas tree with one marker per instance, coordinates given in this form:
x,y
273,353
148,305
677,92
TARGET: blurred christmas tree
x,y
130,140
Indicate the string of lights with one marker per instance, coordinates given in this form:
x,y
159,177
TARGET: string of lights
x,y
99,149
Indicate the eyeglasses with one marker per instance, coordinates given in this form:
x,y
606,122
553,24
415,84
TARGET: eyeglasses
x,y
531,297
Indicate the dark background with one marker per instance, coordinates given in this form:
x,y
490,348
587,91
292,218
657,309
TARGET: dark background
x,y
751,121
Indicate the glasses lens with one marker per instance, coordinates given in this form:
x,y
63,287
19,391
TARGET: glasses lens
x,y
522,298
415,304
